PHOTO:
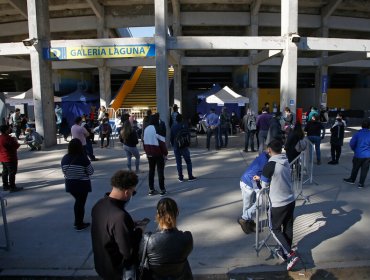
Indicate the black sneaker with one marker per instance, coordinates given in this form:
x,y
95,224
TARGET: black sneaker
x,y
152,192
360,186
349,181
181,179
332,162
192,178
6,188
163,193
82,227
292,260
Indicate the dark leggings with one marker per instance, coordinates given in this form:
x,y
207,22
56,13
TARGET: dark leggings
x,y
79,207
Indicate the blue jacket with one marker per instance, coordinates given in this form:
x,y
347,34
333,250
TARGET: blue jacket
x,y
255,168
360,143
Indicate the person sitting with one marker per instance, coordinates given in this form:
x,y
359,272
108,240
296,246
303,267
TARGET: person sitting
x,y
33,139
167,250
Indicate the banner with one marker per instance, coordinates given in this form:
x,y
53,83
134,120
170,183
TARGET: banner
x,y
92,52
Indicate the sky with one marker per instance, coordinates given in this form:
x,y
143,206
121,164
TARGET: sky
x,y
142,31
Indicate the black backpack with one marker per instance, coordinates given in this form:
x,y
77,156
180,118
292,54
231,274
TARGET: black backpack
x,y
182,138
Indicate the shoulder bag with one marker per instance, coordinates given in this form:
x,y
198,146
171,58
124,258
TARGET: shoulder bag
x,y
143,271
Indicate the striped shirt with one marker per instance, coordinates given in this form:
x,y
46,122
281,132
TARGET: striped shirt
x,y
77,170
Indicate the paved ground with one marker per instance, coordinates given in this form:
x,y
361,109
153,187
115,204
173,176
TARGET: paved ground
x,y
331,231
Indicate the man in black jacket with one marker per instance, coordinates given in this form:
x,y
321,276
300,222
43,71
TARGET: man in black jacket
x,y
115,236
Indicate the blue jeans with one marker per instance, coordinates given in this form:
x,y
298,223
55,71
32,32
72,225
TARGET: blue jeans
x,y
132,151
89,149
214,131
316,140
262,136
249,201
185,153
224,131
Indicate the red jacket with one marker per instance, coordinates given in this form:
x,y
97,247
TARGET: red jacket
x,y
8,148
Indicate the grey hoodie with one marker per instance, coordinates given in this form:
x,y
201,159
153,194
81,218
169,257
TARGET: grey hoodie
x,y
276,175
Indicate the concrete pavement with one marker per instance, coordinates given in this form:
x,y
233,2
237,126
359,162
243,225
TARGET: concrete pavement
x,y
330,231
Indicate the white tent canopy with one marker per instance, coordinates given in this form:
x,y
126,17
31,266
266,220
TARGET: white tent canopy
x,y
227,95
25,98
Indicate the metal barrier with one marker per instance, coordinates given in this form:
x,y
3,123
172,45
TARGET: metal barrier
x,y
263,232
307,157
301,165
140,112
5,223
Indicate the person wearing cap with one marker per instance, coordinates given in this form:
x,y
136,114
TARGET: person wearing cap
x,y
174,114
33,139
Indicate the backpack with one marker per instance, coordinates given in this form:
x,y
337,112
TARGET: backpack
x,y
105,128
251,125
182,138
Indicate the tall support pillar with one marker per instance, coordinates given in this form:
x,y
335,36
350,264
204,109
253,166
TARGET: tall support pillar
x,y
177,86
42,87
104,71
321,83
253,69
105,86
161,61
288,76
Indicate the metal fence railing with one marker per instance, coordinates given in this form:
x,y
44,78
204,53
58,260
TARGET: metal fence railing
x,y
5,224
301,172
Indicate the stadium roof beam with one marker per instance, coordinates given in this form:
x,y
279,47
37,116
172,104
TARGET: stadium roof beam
x,y
264,55
20,6
329,9
97,8
344,57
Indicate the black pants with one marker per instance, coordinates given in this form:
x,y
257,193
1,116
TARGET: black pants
x,y
159,162
358,163
9,172
281,224
79,207
336,150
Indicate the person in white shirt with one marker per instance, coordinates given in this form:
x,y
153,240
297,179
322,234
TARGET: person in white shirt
x,y
79,132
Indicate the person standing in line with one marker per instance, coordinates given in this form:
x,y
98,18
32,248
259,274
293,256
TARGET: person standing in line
x,y
130,140
234,120
224,127
77,170
250,188
276,175
114,234
156,151
168,249
58,114
101,115
249,126
88,147
315,133
336,139
175,112
9,159
105,132
79,132
360,144
17,122
181,151
295,135
263,124
213,125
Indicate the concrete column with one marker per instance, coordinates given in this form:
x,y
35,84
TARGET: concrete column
x,y
253,88
321,79
177,86
104,71
43,95
161,61
105,86
253,69
288,76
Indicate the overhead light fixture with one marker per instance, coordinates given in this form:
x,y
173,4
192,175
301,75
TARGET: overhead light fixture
x,y
295,38
30,42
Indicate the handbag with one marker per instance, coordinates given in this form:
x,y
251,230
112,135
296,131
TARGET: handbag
x,y
143,272
301,146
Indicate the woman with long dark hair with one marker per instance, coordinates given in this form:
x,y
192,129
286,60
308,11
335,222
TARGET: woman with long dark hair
x,y
130,140
168,249
294,136
77,170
